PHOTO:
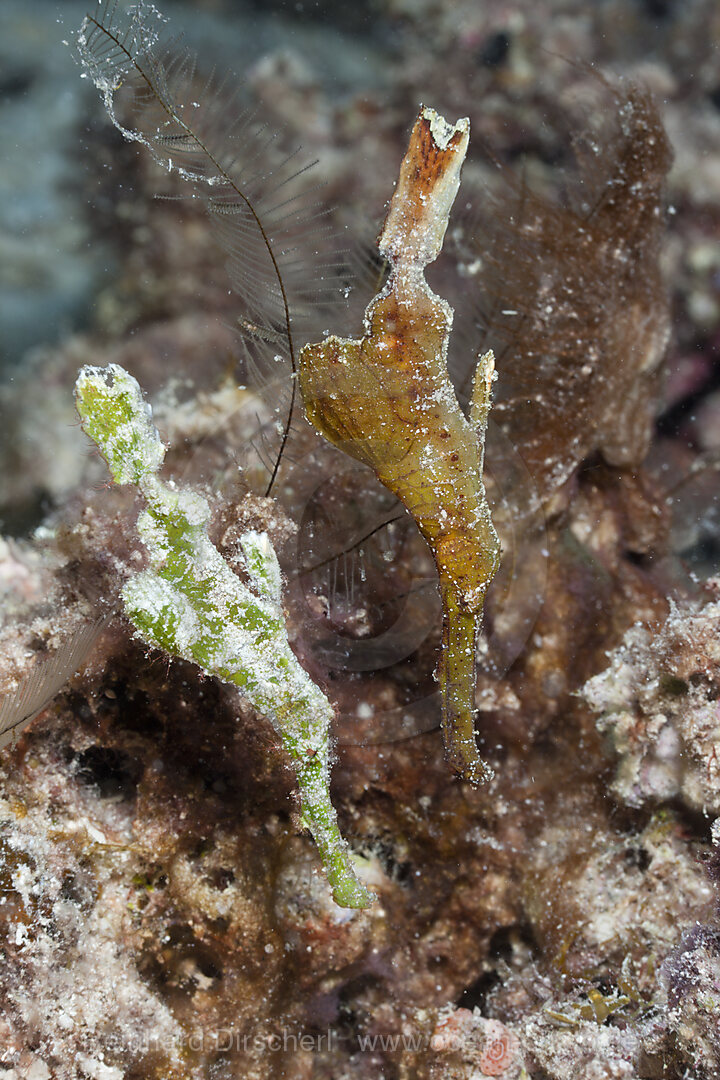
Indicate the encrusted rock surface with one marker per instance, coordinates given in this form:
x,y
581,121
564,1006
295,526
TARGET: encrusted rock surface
x,y
658,702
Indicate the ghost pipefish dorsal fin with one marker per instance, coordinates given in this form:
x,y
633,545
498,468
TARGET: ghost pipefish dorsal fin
x,y
387,400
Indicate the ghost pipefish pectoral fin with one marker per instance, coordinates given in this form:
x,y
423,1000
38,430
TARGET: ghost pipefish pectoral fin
x,y
387,401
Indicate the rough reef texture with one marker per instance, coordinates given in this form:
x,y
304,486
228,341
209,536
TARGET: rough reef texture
x,y
658,702
161,912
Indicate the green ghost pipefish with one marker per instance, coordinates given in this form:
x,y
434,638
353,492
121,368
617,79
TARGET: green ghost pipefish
x,y
190,603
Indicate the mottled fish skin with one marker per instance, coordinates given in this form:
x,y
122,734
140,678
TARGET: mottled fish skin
x,y
387,400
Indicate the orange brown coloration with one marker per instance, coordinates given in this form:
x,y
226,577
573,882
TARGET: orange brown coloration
x,y
387,401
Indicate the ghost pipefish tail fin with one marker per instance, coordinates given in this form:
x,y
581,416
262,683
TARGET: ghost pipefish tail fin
x,y
387,400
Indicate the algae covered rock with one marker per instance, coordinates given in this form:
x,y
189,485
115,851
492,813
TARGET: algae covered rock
x,y
657,702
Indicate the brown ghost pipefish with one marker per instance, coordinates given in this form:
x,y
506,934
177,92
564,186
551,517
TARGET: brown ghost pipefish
x,y
387,401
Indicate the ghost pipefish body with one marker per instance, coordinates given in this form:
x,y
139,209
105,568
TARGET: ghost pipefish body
x,y
387,400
